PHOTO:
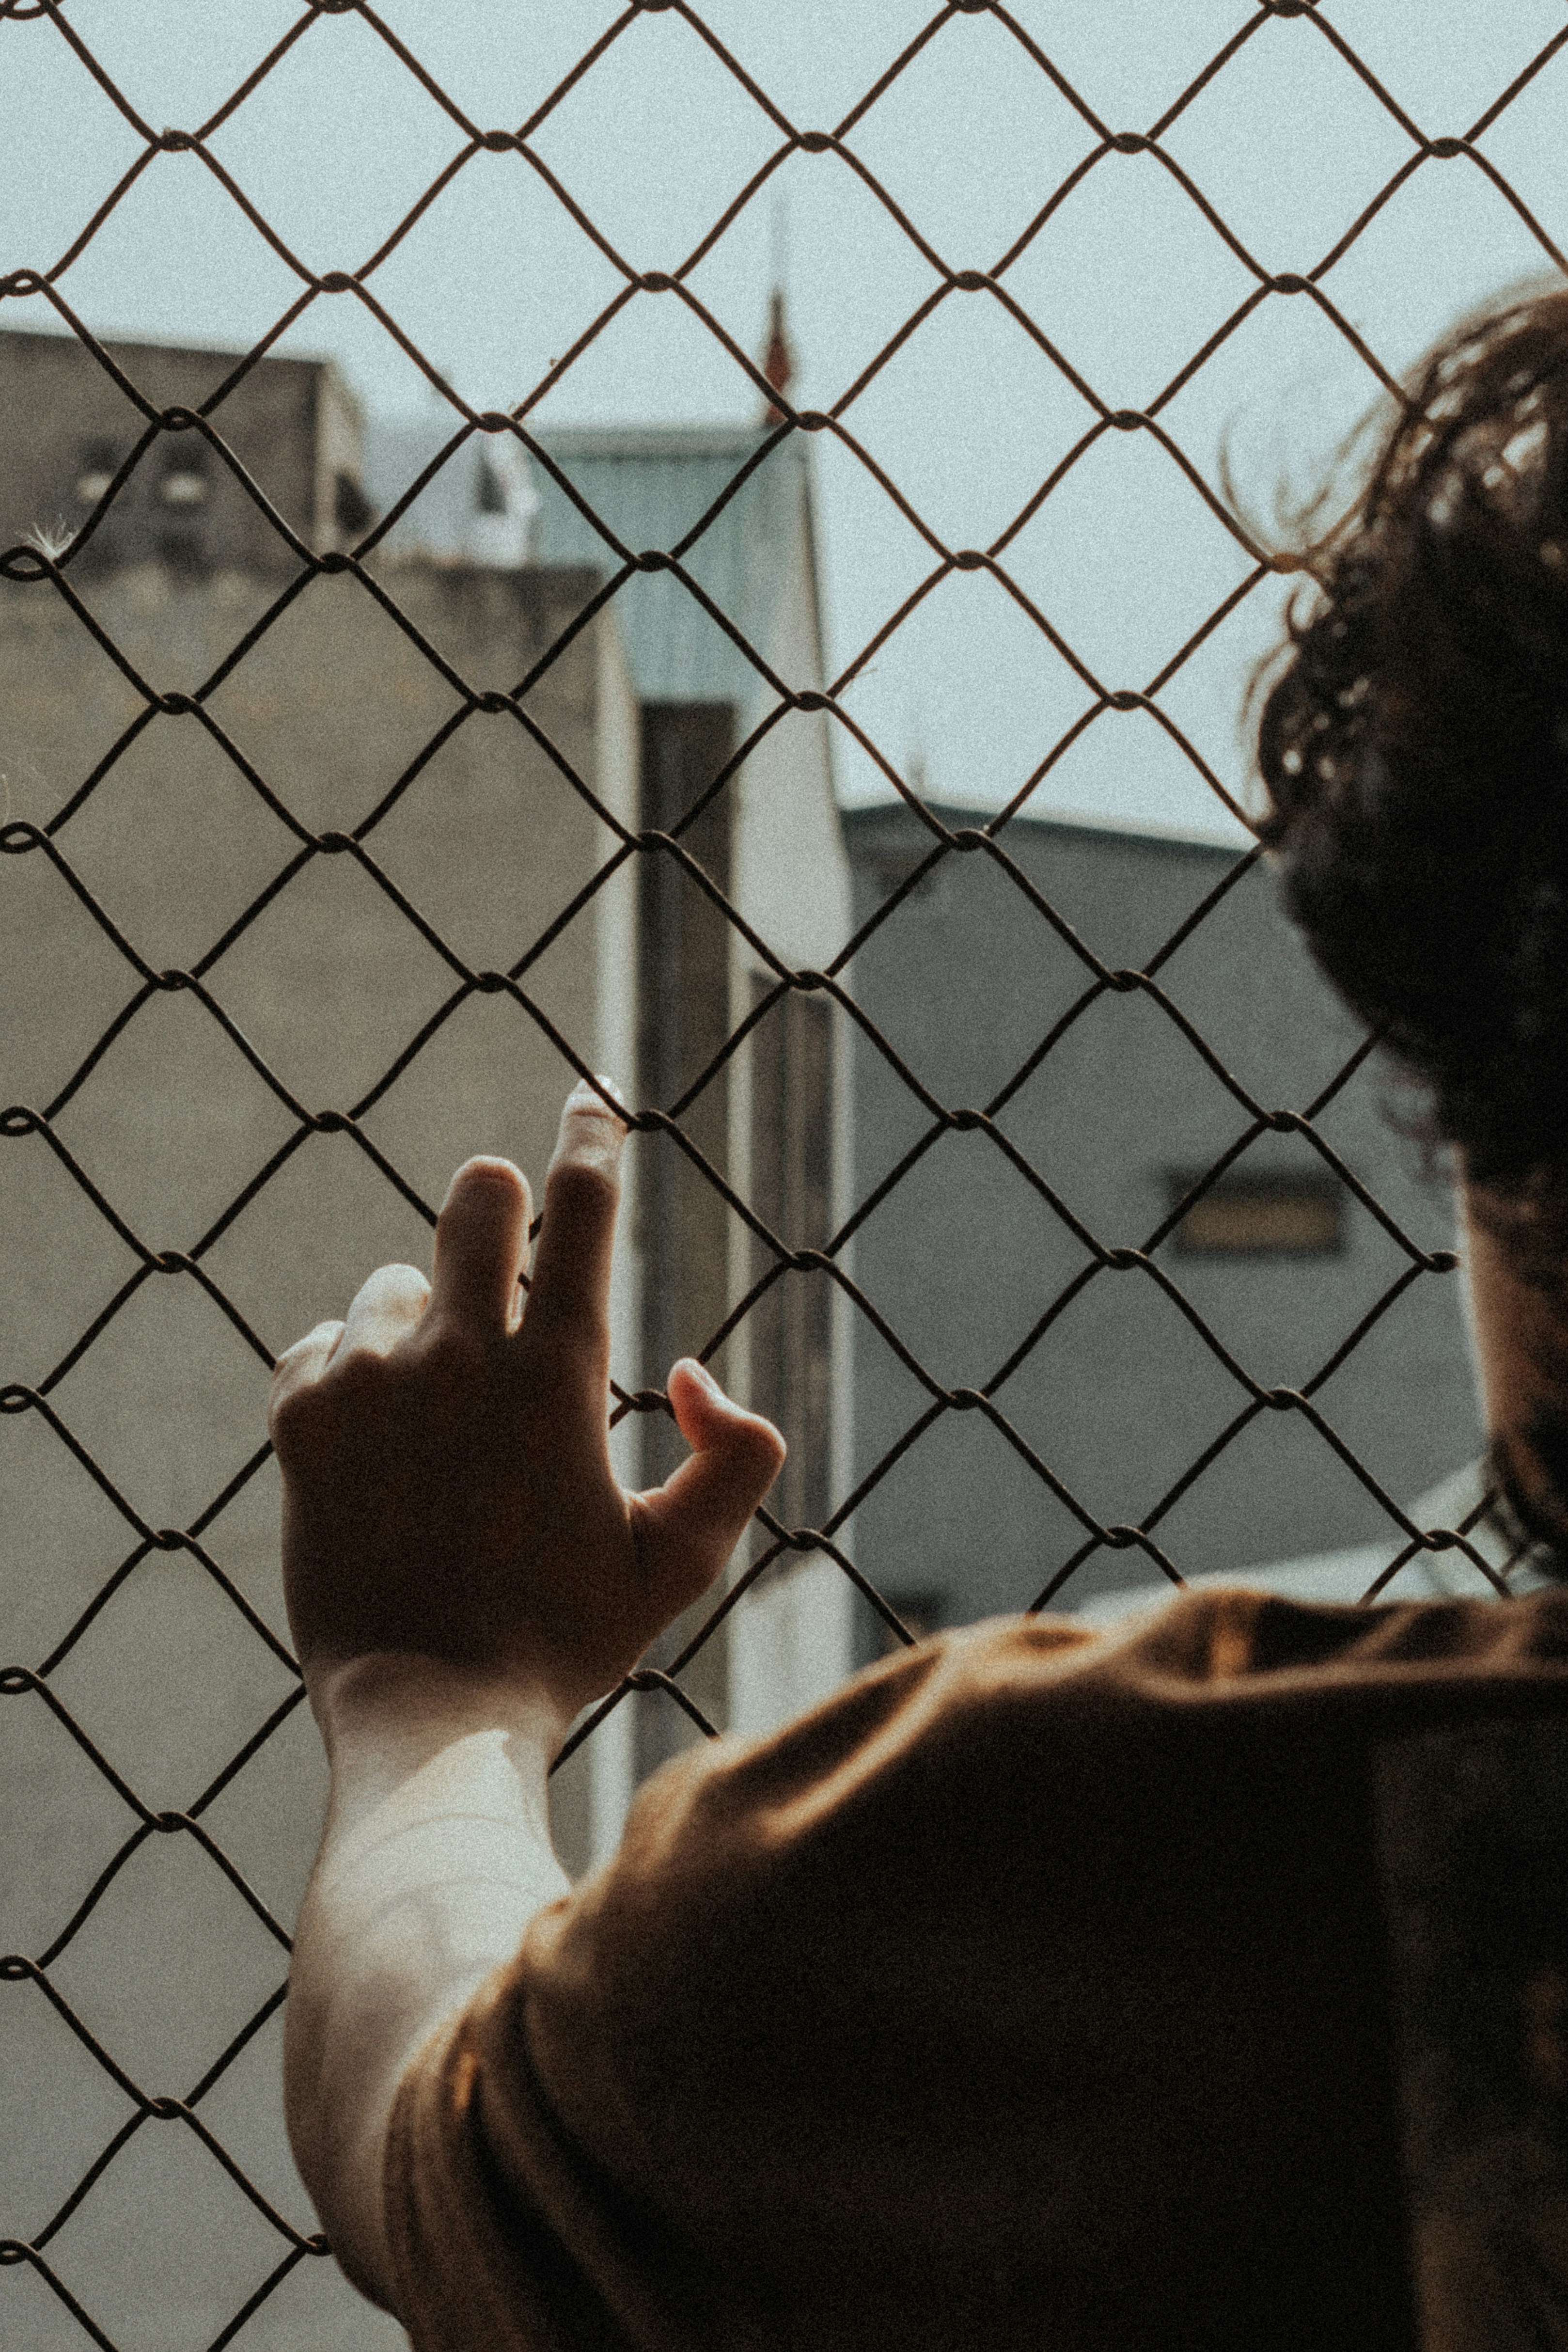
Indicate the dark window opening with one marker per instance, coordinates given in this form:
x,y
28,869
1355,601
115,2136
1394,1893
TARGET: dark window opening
x,y
791,1192
1262,1216
97,464
184,484
351,511
684,949
490,490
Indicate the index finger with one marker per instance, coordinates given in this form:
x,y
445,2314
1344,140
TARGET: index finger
x,y
481,1246
569,1292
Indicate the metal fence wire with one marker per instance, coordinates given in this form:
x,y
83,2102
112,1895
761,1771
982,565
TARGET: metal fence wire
x,y
53,574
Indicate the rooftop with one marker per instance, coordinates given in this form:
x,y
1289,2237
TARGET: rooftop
x,y
863,816
651,486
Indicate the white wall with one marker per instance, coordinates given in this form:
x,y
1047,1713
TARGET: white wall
x,y
791,1640
609,1755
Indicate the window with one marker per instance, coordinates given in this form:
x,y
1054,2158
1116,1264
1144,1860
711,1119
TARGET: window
x,y
1262,1216
684,948
100,462
351,511
183,486
490,490
791,1190
182,493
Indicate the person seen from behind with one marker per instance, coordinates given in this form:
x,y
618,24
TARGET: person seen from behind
x,y
1045,1988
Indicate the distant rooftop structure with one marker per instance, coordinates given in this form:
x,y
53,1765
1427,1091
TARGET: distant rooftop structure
x,y
1082,824
479,507
651,484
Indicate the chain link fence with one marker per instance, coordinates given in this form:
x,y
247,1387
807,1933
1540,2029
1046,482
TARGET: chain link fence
x,y
265,2251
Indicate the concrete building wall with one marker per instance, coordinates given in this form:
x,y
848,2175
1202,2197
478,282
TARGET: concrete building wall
x,y
292,425
176,821
964,980
329,984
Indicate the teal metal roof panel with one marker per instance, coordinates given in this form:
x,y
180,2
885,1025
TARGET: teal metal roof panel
x,y
652,485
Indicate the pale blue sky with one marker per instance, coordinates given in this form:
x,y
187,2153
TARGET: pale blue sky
x,y
1128,280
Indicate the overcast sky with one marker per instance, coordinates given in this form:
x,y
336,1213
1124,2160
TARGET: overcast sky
x,y
1128,280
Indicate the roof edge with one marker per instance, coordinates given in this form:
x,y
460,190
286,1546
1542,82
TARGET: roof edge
x,y
1078,822
200,347
633,440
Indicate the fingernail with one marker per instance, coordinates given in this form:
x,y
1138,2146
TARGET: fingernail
x,y
701,1372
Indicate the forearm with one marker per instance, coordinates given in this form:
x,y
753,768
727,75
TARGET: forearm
x,y
448,1497
435,1856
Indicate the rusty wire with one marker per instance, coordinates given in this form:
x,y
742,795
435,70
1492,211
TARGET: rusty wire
x,y
51,573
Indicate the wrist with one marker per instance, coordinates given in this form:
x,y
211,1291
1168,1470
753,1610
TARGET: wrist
x,y
436,1854
389,1711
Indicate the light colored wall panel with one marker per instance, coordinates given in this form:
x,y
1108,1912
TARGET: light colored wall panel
x,y
329,984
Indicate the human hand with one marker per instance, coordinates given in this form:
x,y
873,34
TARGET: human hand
x,y
447,1479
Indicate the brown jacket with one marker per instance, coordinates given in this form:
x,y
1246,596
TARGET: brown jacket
x,y
1031,1992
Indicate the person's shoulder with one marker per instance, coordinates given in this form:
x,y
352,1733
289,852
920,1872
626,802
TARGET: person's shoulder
x,y
1230,1642
1223,1657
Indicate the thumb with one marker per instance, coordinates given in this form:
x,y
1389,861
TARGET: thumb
x,y
688,1527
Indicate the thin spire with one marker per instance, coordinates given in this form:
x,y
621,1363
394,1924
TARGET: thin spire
x,y
778,359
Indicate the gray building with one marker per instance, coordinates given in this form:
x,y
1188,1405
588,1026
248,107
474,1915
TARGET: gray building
x,y
1120,1395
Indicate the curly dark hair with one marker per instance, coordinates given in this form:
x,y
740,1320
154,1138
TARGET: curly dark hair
x,y
1415,749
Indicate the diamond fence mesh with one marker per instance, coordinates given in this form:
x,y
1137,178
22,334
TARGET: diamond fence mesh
x,y
281,838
